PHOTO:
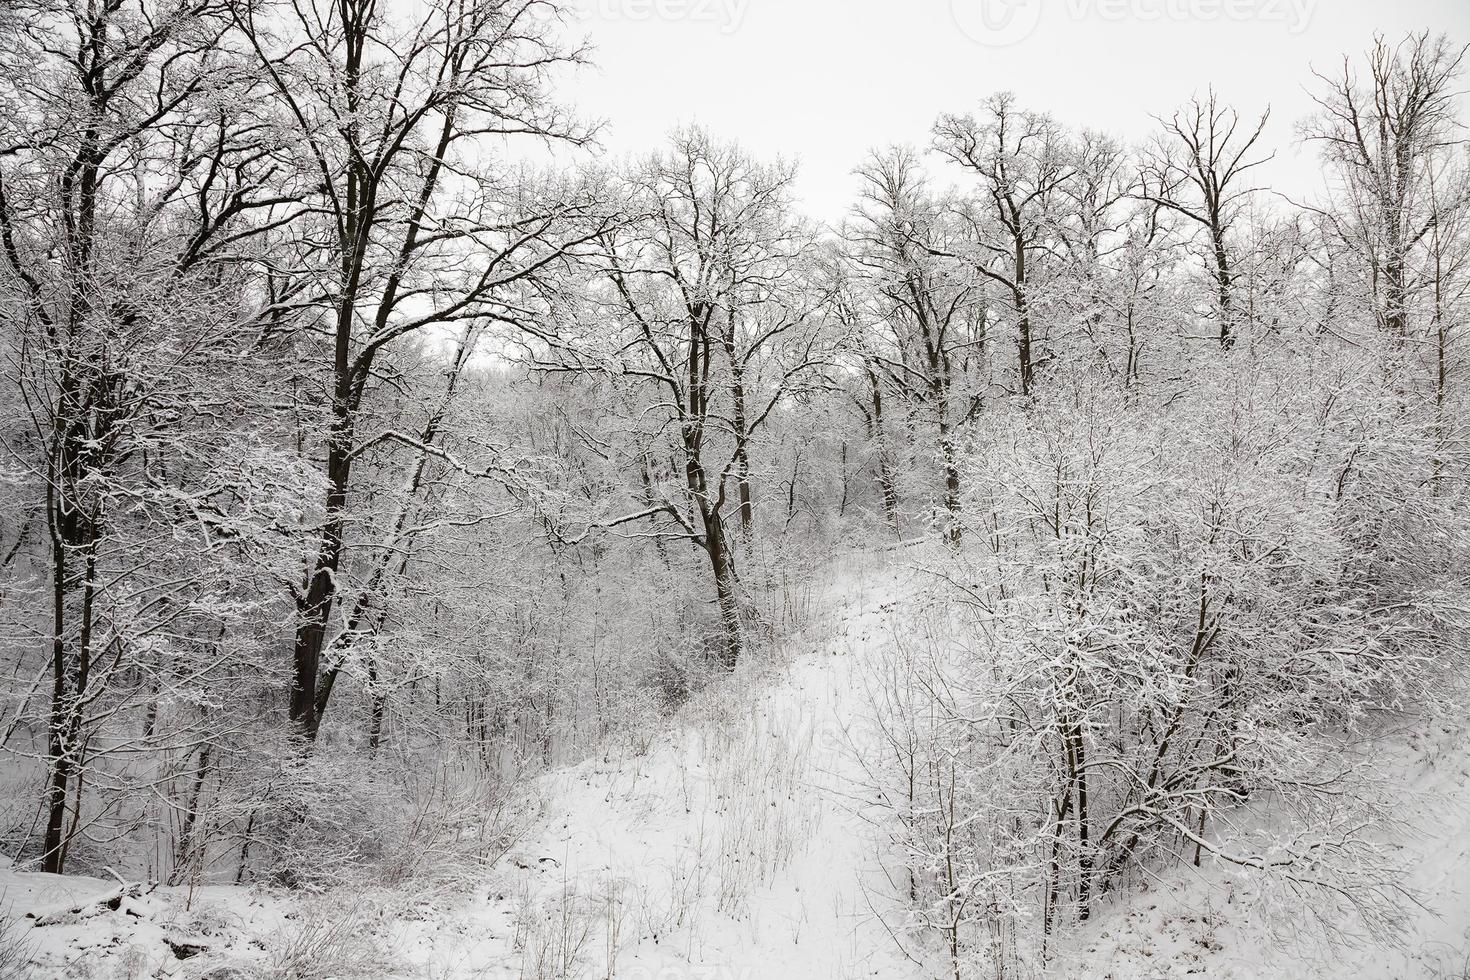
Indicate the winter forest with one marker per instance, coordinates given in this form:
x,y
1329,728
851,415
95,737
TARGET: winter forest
x,y
431,547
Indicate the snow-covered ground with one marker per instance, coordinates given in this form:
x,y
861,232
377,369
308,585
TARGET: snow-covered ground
x,y
1208,923
729,847
734,849
736,845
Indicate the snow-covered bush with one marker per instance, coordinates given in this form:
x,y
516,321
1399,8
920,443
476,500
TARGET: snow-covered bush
x,y
1166,614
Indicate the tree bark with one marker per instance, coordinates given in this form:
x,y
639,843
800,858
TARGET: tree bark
x,y
887,484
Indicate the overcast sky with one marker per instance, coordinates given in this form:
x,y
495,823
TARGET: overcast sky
x,y
823,81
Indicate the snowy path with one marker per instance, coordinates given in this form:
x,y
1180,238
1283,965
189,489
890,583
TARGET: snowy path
x,y
735,848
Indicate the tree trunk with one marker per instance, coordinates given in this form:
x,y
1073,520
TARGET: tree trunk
x,y
1223,279
725,591
1023,318
1054,871
886,481
1084,832
182,850
71,532
397,541
57,755
378,708
742,455
952,504
314,609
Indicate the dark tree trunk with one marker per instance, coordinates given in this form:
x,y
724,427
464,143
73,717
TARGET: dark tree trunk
x,y
377,709
726,595
1395,313
1054,868
1223,280
315,607
72,533
742,457
182,849
952,502
57,756
1084,832
886,480
1023,320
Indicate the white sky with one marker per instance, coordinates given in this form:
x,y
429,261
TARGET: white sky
x,y
823,81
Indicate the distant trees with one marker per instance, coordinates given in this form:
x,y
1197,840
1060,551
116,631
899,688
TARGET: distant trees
x,y
711,315
1092,232
1393,229
923,314
867,388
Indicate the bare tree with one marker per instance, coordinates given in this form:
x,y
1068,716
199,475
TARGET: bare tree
x,y
1022,161
849,309
1388,136
709,310
1199,168
927,312
419,230
1092,232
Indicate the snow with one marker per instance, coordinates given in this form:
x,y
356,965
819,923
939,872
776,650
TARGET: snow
x,y
735,845
727,847
1206,923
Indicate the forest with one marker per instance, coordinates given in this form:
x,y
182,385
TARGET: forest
x,y
375,453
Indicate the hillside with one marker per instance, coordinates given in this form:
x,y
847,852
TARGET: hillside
x,y
741,842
